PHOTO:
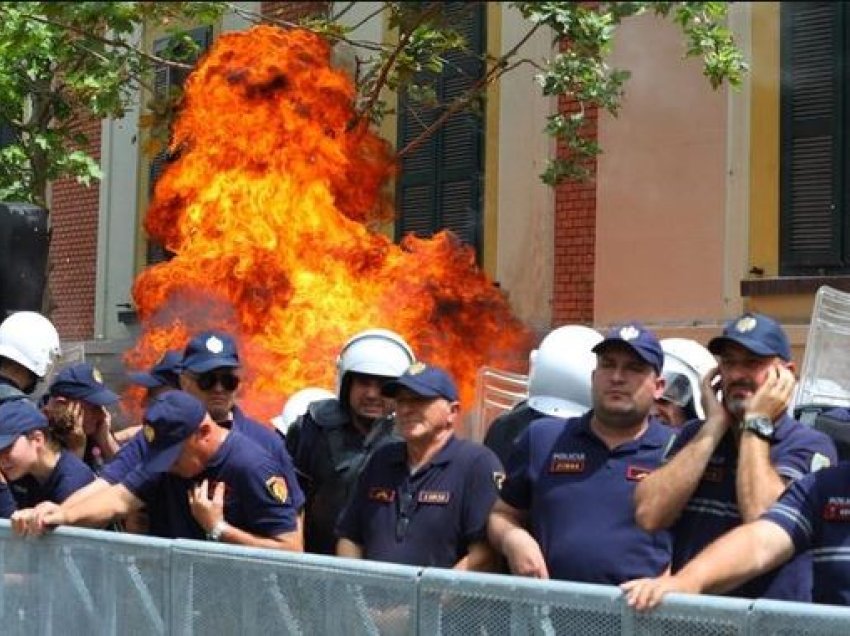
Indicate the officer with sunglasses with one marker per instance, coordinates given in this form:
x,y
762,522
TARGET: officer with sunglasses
x,y
208,371
424,500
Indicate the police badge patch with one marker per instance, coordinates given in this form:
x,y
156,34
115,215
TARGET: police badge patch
x,y
277,488
149,433
95,374
745,324
214,345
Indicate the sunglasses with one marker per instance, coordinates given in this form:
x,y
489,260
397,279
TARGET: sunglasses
x,y
207,381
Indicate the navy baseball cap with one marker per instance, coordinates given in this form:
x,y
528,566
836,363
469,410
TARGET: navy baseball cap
x,y
757,333
210,350
423,380
82,381
19,417
164,373
169,421
637,338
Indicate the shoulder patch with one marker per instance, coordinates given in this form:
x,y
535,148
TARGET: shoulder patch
x,y
277,488
498,478
819,461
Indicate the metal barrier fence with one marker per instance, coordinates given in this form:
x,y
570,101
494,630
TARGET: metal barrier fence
x,y
78,581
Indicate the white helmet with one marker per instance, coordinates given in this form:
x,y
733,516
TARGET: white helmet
x,y
373,352
31,340
685,363
560,370
297,405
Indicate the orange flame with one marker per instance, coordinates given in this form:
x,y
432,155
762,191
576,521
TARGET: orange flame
x,y
266,210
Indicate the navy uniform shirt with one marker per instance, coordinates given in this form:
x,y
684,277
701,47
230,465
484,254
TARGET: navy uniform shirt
x,y
258,495
159,493
579,498
815,512
68,476
429,518
713,508
7,502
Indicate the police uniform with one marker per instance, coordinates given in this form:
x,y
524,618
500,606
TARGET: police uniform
x,y
712,510
68,476
258,495
8,392
815,512
579,498
329,453
164,495
428,518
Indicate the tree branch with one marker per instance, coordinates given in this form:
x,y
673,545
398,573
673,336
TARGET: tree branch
x,y
500,67
116,43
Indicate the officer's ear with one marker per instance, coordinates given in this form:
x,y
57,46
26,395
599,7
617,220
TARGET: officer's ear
x,y
660,385
454,412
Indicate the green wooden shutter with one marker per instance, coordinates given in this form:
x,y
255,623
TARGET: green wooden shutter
x,y
440,182
164,78
812,129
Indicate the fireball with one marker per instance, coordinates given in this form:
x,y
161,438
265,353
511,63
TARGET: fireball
x,y
267,208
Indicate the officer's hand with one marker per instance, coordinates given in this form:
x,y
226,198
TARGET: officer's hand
x,y
774,395
645,594
524,555
207,510
34,522
711,404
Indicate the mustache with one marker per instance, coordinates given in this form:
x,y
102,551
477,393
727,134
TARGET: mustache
x,y
747,386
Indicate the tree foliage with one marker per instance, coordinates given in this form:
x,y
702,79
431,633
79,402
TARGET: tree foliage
x,y
63,61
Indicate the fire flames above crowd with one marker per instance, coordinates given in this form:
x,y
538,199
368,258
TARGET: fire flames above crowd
x,y
267,208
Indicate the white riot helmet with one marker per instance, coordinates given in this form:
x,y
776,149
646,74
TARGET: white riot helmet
x,y
685,363
297,405
560,370
31,340
373,352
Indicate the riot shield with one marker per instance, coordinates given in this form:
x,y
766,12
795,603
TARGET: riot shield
x,y
496,392
825,375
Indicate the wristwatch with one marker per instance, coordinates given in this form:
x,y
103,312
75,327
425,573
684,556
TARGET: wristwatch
x,y
217,530
760,425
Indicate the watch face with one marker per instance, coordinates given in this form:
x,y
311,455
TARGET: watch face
x,y
761,426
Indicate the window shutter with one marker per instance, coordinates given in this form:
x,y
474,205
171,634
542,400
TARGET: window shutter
x,y
812,51
440,182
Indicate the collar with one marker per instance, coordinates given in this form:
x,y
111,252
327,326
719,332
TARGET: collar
x,y
448,452
656,434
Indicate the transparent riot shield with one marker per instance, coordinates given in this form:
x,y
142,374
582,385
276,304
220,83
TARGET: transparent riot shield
x,y
825,375
496,392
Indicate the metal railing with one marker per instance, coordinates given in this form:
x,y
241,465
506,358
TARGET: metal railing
x,y
78,581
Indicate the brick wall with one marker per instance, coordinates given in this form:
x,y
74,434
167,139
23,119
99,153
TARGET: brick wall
x,y
575,238
74,219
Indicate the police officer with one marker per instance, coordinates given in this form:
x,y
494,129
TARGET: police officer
x,y
812,514
182,439
558,385
685,363
565,509
77,395
731,467
334,439
34,456
423,500
163,376
29,346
